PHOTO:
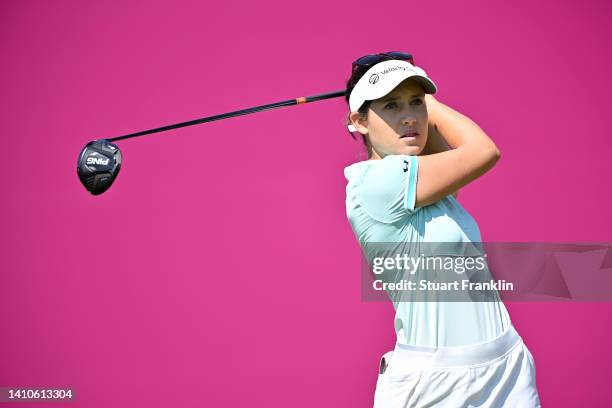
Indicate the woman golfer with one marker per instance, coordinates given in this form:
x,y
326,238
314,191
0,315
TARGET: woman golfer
x,y
421,152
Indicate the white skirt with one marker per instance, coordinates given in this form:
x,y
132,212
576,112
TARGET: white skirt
x,y
497,373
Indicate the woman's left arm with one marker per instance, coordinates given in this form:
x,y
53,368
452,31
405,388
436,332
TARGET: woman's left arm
x,y
435,144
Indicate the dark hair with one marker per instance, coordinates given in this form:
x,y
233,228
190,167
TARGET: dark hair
x,y
363,110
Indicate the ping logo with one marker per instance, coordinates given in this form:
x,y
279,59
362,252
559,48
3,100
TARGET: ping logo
x,y
406,166
373,79
98,161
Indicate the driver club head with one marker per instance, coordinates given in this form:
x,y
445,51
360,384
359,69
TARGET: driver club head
x,y
98,165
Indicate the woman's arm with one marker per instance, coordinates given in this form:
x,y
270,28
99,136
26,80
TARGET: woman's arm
x,y
472,154
435,142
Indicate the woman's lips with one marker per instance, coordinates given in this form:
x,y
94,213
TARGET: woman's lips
x,y
410,136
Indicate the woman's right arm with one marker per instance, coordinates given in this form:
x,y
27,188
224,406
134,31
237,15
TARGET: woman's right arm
x,y
473,154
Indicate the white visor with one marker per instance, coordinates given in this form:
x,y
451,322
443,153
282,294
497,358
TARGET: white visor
x,y
382,78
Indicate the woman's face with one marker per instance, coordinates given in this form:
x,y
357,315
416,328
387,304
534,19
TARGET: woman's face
x,y
393,116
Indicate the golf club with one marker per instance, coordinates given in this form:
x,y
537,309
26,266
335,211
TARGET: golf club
x,y
100,160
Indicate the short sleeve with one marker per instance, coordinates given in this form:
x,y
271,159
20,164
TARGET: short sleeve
x,y
388,190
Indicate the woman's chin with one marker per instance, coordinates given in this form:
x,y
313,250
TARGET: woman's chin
x,y
411,150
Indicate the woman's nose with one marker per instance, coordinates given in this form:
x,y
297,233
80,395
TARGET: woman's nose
x,y
409,121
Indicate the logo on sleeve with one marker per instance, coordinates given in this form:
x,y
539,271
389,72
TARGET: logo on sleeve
x,y
406,166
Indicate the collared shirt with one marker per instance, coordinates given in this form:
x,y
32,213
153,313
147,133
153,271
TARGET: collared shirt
x,y
380,206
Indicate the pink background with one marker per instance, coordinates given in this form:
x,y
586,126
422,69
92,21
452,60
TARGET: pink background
x,y
220,269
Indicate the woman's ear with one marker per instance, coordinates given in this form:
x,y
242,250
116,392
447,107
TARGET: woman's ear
x,y
359,122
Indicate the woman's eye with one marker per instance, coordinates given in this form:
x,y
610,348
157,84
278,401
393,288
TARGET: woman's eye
x,y
391,105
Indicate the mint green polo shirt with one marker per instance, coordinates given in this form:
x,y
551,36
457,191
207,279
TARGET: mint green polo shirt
x,y
380,206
